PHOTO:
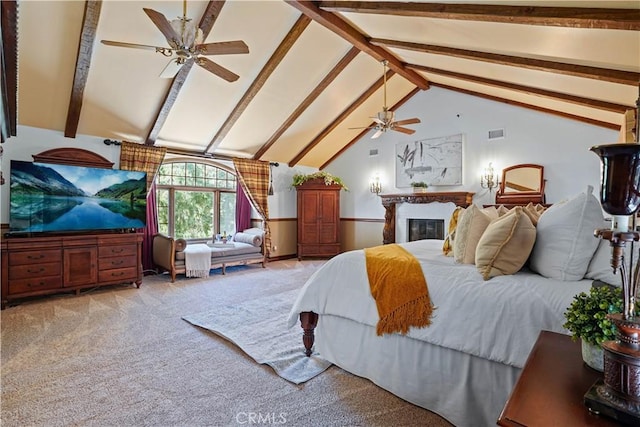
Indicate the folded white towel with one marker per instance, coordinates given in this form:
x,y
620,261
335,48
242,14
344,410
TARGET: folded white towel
x,y
197,260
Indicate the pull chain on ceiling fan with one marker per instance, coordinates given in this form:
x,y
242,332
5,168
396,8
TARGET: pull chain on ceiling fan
x,y
384,120
185,39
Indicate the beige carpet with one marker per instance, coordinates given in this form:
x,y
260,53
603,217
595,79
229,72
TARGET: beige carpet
x,y
122,356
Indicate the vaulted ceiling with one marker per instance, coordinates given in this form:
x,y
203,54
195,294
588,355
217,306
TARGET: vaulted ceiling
x,y
314,69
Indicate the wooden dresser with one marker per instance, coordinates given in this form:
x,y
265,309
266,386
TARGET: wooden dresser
x,y
34,266
318,219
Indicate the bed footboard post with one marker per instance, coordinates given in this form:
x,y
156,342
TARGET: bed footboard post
x,y
308,321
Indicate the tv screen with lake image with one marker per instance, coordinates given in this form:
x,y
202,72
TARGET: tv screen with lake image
x,y
48,197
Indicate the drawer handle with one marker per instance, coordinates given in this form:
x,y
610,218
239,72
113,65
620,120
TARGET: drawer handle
x,y
116,251
30,285
39,270
117,262
39,256
118,274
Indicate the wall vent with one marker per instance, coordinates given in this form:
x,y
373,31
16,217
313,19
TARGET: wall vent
x,y
496,134
373,152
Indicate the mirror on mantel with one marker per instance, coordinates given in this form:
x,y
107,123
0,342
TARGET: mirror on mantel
x,y
521,184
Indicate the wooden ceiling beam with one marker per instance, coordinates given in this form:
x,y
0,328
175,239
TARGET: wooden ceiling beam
x,y
341,117
574,17
558,96
83,62
209,17
365,131
607,125
315,93
351,34
281,51
597,73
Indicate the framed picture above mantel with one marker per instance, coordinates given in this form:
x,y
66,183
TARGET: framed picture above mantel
x,y
435,161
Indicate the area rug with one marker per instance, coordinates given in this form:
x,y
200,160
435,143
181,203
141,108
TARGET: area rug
x,y
259,328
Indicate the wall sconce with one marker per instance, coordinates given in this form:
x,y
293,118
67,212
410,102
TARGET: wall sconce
x,y
489,179
375,186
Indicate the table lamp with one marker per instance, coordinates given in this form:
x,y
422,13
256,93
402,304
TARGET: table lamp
x,y
618,394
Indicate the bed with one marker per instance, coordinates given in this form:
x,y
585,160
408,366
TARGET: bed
x,y
465,364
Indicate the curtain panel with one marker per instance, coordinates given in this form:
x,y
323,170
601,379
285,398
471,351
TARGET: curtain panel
x,y
254,177
147,159
144,158
243,209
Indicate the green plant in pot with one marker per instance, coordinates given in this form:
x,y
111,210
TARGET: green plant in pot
x,y
299,179
586,319
419,186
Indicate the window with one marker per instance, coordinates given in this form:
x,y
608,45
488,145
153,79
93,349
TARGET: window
x,y
195,199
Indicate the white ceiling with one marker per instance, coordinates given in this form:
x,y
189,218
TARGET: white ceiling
x,y
123,93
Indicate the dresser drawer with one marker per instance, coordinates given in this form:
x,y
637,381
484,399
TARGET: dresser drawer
x,y
118,275
30,270
34,284
116,262
117,250
35,257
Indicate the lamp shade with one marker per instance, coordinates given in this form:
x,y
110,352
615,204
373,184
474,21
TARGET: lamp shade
x,y
620,180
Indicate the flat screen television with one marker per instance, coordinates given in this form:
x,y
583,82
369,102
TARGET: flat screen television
x,y
47,197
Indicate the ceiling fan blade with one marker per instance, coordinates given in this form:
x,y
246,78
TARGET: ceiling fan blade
x,y
377,134
164,26
223,48
216,69
366,127
377,120
133,45
403,130
407,121
171,69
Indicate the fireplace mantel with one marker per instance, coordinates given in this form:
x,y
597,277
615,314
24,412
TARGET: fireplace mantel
x,y
389,201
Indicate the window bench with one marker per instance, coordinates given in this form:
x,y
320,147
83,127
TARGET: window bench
x,y
168,253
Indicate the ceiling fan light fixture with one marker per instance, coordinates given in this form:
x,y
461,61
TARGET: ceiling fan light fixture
x,y
191,35
386,116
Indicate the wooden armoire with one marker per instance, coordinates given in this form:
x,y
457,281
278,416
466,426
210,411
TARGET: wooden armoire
x,y
318,219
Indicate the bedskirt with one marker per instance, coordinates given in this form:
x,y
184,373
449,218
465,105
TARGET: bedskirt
x,y
464,389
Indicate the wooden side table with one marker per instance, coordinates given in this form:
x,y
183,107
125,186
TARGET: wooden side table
x,y
551,387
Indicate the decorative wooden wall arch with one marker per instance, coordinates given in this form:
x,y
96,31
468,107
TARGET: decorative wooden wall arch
x,y
73,156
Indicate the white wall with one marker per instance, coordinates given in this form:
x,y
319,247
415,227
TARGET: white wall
x,y
560,145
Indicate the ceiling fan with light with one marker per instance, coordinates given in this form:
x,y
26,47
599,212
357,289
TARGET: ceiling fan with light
x,y
384,120
186,43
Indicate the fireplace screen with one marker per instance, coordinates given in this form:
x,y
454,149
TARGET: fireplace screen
x,y
420,229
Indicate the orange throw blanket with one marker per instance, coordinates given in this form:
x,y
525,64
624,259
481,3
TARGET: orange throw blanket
x,y
399,288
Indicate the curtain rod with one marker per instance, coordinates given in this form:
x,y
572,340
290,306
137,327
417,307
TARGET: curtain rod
x,y
189,153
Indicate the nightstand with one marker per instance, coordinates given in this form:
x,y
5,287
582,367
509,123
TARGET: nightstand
x,y
551,387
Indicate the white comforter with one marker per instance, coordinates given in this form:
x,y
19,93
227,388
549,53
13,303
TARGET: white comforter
x,y
498,319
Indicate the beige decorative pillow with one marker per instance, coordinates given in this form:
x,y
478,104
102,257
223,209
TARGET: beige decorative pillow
x,y
502,210
471,225
506,244
447,246
533,213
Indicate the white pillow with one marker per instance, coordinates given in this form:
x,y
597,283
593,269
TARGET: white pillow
x,y
252,239
564,241
256,231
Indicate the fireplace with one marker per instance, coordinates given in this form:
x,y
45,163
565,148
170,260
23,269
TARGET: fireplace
x,y
420,229
434,205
